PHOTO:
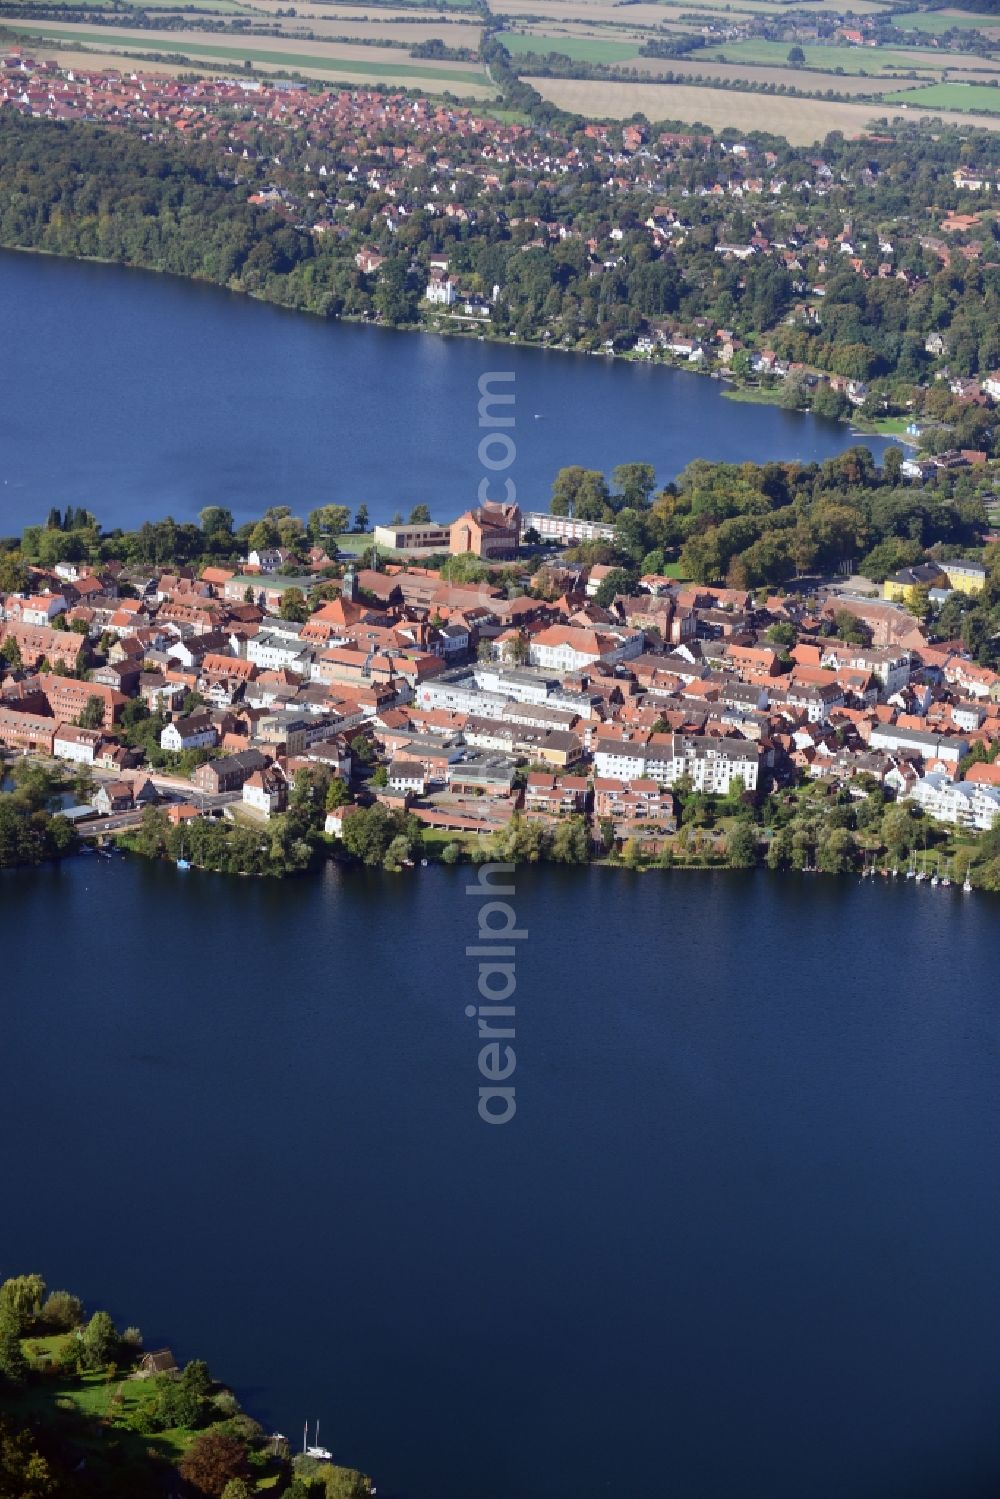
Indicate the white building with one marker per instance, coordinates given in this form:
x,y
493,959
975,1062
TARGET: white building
x,y
566,528
950,748
78,745
891,667
564,648
272,652
711,764
191,731
265,791
407,775
965,804
442,291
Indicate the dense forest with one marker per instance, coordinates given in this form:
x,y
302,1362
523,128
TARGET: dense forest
x,y
31,829
113,196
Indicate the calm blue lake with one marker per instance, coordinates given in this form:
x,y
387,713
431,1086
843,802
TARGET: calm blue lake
x,y
739,1240
140,395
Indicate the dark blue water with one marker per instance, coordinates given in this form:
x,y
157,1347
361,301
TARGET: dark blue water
x,y
739,1240
139,395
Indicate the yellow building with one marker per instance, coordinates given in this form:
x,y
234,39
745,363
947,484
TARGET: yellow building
x,y
900,587
970,577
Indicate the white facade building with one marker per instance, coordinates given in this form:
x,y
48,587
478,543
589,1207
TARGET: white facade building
x,y
964,804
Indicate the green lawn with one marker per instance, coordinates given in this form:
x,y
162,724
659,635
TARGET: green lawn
x,y
168,44
579,48
972,96
755,395
94,1396
851,60
437,839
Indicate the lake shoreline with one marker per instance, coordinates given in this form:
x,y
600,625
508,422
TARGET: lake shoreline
x,y
739,390
434,858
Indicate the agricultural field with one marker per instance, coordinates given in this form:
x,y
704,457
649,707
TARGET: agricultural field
x,y
871,60
601,11
800,78
325,10
801,121
580,49
776,7
964,96
225,7
347,61
937,21
110,62
403,33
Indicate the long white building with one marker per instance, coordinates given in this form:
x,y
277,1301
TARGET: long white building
x,y
711,764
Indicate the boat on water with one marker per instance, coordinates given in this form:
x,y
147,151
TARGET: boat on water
x,y
967,885
183,864
322,1453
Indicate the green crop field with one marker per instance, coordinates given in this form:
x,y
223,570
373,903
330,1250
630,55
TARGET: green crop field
x,y
977,96
849,59
580,49
937,21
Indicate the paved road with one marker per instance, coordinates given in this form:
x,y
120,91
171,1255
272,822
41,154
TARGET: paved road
x,y
100,827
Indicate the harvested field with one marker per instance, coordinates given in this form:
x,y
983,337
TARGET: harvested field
x,y
801,121
109,62
228,7
453,33
339,59
327,11
800,78
646,14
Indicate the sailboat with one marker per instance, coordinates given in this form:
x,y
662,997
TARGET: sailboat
x,y
967,885
182,863
323,1453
